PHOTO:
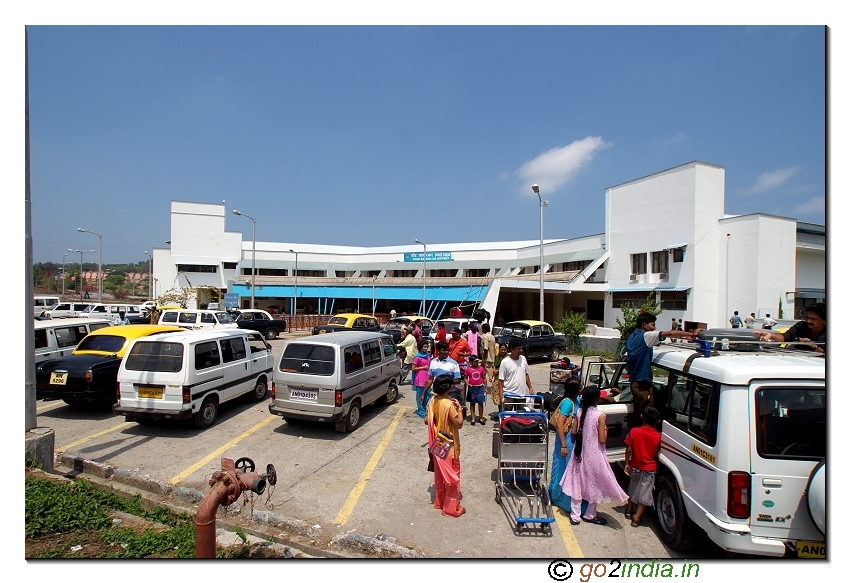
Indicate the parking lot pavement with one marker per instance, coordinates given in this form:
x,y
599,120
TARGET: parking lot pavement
x,y
370,482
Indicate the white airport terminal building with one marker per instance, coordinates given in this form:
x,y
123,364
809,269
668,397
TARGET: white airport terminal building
x,y
666,232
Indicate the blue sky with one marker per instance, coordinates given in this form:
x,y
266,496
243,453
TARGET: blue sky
x,y
376,135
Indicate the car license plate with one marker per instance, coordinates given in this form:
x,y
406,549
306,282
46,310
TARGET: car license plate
x,y
58,378
150,392
323,331
811,550
304,395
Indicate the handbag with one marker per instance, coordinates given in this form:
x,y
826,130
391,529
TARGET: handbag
x,y
443,442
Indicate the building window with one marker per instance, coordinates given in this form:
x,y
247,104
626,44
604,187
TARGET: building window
x,y
371,273
345,274
679,255
674,300
476,272
278,272
441,273
595,309
574,265
619,299
228,265
197,268
310,273
404,273
639,263
660,262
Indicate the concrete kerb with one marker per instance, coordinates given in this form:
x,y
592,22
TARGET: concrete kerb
x,y
267,525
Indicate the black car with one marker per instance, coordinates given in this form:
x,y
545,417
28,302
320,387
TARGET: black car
x,y
538,339
260,321
396,325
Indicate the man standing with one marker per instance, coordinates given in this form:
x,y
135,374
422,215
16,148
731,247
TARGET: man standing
x,y
441,334
812,329
122,319
768,323
392,313
513,372
488,343
444,364
459,348
735,320
639,358
408,342
750,321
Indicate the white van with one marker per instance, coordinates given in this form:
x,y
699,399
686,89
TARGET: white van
x,y
42,304
198,319
743,447
331,377
189,374
66,310
110,311
55,339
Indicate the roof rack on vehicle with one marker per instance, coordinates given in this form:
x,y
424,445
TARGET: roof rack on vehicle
x,y
713,341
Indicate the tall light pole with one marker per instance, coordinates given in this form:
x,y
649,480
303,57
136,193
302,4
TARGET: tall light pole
x,y
424,270
295,295
543,203
374,277
253,252
359,293
150,273
64,255
99,264
81,266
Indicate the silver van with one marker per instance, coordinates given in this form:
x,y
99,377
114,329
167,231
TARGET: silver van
x,y
65,310
331,377
198,319
55,339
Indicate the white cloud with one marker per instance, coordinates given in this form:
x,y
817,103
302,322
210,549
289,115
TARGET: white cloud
x,y
816,205
558,166
770,180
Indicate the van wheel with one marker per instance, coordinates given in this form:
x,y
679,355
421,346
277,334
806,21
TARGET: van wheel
x,y
555,354
271,333
392,394
260,390
674,528
206,414
352,420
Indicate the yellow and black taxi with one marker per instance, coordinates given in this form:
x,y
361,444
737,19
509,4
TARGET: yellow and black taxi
x,y
341,322
538,339
90,373
396,325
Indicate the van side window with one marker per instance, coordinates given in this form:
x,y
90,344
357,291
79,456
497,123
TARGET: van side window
x,y
389,347
187,317
353,358
41,338
97,326
66,337
693,407
257,343
206,355
232,349
169,316
372,352
208,319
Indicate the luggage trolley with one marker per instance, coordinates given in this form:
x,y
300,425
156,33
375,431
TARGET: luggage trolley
x,y
523,461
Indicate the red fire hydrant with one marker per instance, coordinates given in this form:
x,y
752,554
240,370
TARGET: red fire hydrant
x,y
227,485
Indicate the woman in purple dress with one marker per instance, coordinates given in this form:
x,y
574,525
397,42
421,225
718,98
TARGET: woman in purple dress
x,y
589,475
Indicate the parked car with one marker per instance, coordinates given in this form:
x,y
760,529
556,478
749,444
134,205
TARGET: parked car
x,y
65,310
538,339
178,376
89,374
261,321
395,326
110,311
43,303
341,322
58,338
743,450
197,319
329,379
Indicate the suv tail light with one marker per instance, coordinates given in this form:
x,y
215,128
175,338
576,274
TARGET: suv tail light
x,y
738,495
338,399
274,391
187,395
88,376
117,392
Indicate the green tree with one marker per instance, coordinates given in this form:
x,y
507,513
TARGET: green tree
x,y
629,322
573,325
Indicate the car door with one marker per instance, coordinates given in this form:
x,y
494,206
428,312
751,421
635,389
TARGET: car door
x,y
261,354
616,405
235,367
373,362
355,374
534,342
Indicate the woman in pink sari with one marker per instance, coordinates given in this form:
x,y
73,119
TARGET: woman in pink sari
x,y
445,416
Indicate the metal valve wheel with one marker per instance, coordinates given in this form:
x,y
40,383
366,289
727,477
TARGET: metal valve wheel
x,y
271,474
245,464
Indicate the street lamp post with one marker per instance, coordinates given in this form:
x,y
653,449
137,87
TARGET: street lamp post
x,y
424,270
150,273
253,252
543,203
374,277
99,264
359,293
295,295
81,267
63,273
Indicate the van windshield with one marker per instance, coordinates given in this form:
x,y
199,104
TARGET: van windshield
x,y
791,422
155,357
308,359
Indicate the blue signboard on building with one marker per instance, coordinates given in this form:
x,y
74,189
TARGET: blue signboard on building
x,y
231,301
419,257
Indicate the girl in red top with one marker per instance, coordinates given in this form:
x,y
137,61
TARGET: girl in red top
x,y
643,444
476,378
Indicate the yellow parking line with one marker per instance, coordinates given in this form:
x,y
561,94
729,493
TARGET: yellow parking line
x,y
49,406
85,439
192,469
349,505
567,534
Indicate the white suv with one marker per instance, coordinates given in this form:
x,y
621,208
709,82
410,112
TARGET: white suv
x,y
743,447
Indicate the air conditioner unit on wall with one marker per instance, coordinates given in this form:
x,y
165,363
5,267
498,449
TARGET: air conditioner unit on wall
x,y
633,277
663,276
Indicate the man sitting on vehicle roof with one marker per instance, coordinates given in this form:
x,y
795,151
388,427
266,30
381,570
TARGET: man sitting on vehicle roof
x,y
812,329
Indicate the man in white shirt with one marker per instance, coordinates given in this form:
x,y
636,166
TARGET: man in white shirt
x,y
513,372
768,323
